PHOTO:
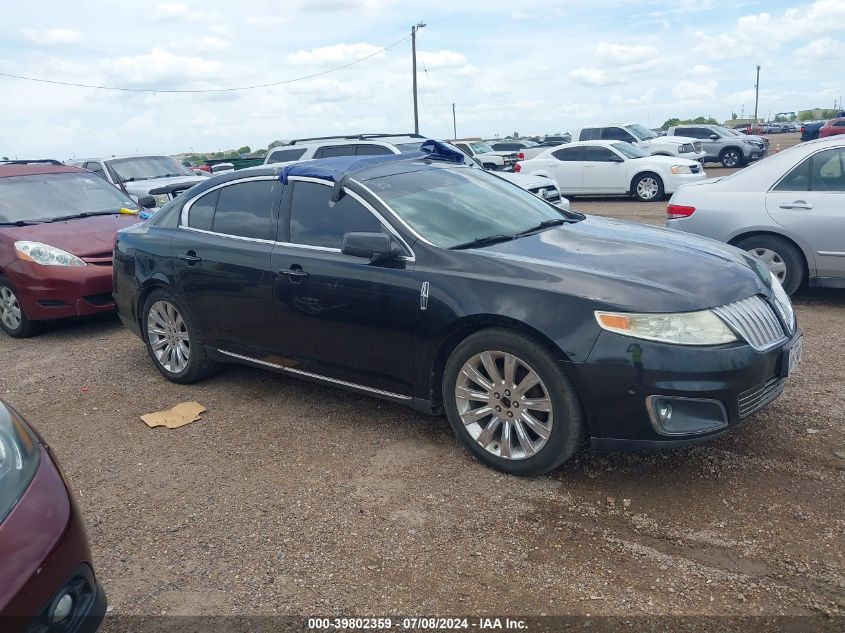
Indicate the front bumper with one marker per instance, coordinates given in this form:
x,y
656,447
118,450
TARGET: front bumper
x,y
622,374
52,558
56,292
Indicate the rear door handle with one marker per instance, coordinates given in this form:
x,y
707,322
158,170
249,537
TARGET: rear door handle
x,y
295,274
190,257
798,204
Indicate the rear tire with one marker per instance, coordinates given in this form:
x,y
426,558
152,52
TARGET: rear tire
x,y
13,319
539,423
647,187
730,158
780,257
173,339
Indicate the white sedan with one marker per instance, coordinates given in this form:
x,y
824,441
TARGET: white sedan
x,y
612,167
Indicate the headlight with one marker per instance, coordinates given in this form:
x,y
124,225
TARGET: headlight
x,y
681,149
46,255
682,328
19,458
161,199
782,303
680,169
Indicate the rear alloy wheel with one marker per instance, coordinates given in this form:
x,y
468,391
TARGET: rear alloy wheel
x,y
730,158
648,188
12,317
783,260
510,404
173,340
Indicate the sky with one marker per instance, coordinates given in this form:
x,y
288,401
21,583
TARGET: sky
x,y
526,66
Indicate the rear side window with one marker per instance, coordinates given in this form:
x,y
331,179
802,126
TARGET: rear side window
x,y
335,150
824,171
97,168
589,134
506,147
245,209
315,221
372,150
569,154
285,155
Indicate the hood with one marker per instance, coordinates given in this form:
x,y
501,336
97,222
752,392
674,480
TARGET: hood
x,y
82,237
674,140
632,267
526,181
143,187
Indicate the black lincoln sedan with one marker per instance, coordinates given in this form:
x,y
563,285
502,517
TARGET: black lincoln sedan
x,y
430,282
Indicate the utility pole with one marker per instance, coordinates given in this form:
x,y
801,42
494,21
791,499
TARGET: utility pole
x,y
414,30
454,124
756,96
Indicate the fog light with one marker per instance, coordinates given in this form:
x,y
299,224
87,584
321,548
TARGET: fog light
x,y
62,609
673,415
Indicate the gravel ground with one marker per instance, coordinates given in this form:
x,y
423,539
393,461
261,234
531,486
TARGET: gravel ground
x,y
294,498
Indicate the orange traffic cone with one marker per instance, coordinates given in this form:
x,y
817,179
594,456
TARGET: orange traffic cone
x,y
777,148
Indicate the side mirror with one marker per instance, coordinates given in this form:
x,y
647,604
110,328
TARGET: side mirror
x,y
714,137
148,202
615,159
373,246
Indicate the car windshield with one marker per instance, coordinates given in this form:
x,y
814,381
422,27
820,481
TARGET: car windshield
x,y
451,206
50,196
146,168
628,150
721,131
480,148
641,132
409,147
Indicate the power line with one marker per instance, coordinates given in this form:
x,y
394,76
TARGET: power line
x,y
200,90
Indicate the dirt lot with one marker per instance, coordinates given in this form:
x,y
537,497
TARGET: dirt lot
x,y
289,497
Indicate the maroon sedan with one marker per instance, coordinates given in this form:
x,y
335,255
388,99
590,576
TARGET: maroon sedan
x,y
832,128
47,582
57,228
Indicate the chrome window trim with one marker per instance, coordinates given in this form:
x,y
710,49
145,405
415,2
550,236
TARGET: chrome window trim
x,y
233,237
308,374
366,205
186,208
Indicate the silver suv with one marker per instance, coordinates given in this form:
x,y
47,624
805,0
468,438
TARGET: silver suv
x,y
354,145
721,145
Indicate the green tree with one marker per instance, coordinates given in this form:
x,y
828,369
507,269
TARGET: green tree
x,y
244,150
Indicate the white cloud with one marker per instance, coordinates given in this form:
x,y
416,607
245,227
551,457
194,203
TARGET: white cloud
x,y
611,55
52,36
337,54
596,77
161,67
179,10
699,70
686,90
823,51
441,59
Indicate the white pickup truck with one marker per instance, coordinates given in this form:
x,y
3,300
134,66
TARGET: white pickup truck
x,y
642,137
489,159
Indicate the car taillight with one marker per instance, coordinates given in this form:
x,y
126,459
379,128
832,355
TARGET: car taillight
x,y
520,156
517,168
675,211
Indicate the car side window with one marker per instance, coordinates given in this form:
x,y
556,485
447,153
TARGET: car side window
x,y
839,124
245,209
569,154
316,221
372,150
97,168
597,154
616,134
464,148
335,150
589,134
828,171
201,213
285,155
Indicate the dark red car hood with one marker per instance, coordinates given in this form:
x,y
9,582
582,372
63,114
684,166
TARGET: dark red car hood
x,y
81,236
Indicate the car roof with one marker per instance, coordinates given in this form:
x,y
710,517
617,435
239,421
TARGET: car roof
x,y
33,169
378,139
117,156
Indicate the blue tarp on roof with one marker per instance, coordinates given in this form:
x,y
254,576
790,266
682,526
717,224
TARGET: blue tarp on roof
x,y
333,169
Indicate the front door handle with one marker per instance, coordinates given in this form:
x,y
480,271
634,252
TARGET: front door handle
x,y
798,204
295,274
190,257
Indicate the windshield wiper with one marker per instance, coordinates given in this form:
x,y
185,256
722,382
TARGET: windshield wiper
x,y
483,241
133,179
19,222
84,214
545,224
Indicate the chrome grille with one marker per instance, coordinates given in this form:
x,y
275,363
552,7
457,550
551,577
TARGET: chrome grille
x,y
754,399
755,321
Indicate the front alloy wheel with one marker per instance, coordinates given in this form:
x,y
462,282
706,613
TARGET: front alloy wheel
x,y
648,188
731,158
508,400
13,320
504,405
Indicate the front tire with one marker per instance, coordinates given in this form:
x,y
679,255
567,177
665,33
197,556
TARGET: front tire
x,y
508,401
782,259
13,319
647,187
173,339
730,157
